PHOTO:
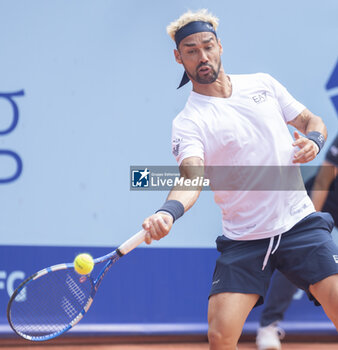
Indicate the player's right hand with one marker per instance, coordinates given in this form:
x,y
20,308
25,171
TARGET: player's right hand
x,y
157,226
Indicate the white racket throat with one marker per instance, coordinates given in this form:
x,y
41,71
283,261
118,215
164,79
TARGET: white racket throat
x,y
132,242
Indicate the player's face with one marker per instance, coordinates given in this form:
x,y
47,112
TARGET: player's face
x,y
200,55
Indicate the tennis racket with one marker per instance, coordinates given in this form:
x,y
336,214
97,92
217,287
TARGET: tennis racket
x,y
53,300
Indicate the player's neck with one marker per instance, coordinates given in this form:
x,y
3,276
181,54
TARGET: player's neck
x,y
222,87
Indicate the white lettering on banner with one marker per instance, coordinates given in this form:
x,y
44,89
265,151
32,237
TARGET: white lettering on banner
x,y
198,181
9,97
3,276
11,284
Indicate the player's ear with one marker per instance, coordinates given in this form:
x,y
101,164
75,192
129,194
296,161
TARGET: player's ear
x,y
220,46
177,56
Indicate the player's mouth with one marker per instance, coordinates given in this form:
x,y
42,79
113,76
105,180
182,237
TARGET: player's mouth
x,y
204,70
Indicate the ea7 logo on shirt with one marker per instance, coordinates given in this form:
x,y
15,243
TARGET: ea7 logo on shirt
x,y
335,257
259,98
140,178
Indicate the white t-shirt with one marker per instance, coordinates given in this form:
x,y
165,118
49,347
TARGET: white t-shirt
x,y
247,129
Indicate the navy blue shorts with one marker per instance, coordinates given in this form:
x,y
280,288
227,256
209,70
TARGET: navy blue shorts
x,y
306,255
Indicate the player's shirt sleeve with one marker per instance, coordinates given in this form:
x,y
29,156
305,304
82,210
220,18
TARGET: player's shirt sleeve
x,y
332,153
186,139
290,107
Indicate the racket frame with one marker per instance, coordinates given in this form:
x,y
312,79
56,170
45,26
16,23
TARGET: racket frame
x,y
110,258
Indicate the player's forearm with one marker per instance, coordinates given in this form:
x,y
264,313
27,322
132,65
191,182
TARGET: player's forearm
x,y
306,122
187,197
315,123
180,199
186,192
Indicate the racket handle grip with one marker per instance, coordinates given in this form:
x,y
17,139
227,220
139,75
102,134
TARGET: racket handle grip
x,y
132,242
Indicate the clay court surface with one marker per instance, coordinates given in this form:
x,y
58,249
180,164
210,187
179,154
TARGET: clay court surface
x,y
291,346
165,346
244,346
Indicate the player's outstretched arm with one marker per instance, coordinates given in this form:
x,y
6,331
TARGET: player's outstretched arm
x,y
315,130
181,198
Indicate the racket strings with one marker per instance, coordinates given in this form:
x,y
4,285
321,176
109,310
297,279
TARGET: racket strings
x,y
48,304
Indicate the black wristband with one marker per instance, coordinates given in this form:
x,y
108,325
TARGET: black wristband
x,y
317,138
174,208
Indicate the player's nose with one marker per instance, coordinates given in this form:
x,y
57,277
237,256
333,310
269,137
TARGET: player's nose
x,y
203,57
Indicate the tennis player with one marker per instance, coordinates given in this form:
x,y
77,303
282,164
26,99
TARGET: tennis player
x,y
241,120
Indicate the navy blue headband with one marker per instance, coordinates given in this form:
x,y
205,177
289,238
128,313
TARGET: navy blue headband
x,y
192,28
188,29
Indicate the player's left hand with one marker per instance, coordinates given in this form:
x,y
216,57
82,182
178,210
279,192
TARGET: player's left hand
x,y
308,149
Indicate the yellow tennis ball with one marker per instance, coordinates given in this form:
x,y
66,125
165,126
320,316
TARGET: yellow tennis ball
x,y
83,264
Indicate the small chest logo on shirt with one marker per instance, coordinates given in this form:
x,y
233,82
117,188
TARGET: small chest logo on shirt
x,y
176,146
335,257
259,98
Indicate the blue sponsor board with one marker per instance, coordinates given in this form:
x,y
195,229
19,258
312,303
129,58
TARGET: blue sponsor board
x,y
150,291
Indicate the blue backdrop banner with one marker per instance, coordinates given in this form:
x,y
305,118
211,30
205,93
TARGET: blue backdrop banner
x,y
149,291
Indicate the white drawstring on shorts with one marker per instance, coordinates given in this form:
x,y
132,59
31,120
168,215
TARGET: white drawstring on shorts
x,y
270,251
